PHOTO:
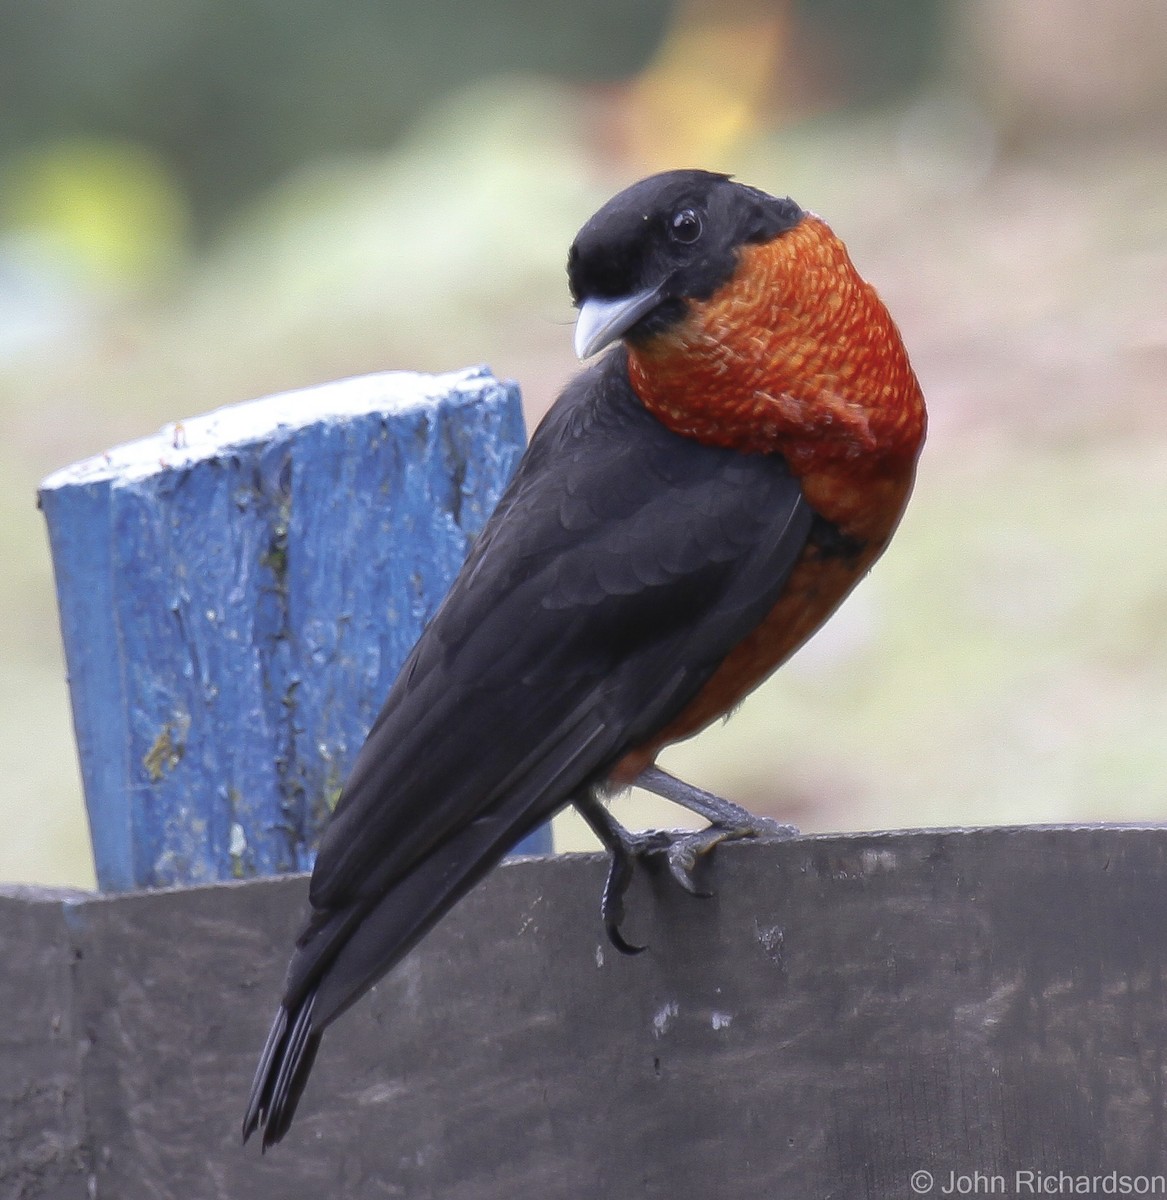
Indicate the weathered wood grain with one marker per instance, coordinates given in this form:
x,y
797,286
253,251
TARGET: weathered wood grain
x,y
845,1011
238,593
42,1118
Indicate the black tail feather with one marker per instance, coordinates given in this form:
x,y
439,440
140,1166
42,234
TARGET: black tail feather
x,y
282,1073
352,951
257,1101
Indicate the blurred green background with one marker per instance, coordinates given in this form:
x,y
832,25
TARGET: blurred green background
x,y
202,202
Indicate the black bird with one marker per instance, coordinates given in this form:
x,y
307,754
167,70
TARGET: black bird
x,y
692,508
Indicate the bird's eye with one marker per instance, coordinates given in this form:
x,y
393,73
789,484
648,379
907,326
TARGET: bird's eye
x,y
685,226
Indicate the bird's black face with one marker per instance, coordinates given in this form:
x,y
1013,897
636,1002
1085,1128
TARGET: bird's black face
x,y
664,241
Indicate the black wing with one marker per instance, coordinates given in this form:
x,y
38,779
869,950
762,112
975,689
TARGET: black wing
x,y
623,563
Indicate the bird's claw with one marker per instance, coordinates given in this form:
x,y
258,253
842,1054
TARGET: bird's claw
x,y
620,872
684,854
686,850
681,851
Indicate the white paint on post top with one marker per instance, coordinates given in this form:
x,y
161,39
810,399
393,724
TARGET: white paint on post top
x,y
209,436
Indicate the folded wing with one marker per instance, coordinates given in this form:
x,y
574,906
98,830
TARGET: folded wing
x,y
622,565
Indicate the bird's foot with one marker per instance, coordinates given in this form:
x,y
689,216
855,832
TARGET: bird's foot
x,y
729,822
681,850
626,849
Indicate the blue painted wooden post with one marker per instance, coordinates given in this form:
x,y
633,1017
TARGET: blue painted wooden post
x,y
236,596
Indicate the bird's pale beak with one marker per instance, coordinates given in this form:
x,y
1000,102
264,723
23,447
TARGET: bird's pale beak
x,y
601,322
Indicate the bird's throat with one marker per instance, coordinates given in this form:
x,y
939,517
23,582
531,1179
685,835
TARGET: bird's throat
x,y
795,355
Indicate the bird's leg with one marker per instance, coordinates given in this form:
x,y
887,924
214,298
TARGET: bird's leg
x,y
715,809
681,849
728,822
625,848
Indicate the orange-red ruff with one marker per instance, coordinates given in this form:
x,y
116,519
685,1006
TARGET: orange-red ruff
x,y
796,355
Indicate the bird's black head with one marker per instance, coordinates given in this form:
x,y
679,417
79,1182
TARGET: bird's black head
x,y
668,239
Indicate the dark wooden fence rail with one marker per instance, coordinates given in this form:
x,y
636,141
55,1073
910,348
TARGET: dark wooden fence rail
x,y
846,1011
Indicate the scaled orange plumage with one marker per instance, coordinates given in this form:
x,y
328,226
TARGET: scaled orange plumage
x,y
797,355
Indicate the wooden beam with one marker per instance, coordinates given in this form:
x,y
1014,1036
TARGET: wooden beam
x,y
845,1012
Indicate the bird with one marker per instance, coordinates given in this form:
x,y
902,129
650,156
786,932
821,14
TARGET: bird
x,y
697,502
